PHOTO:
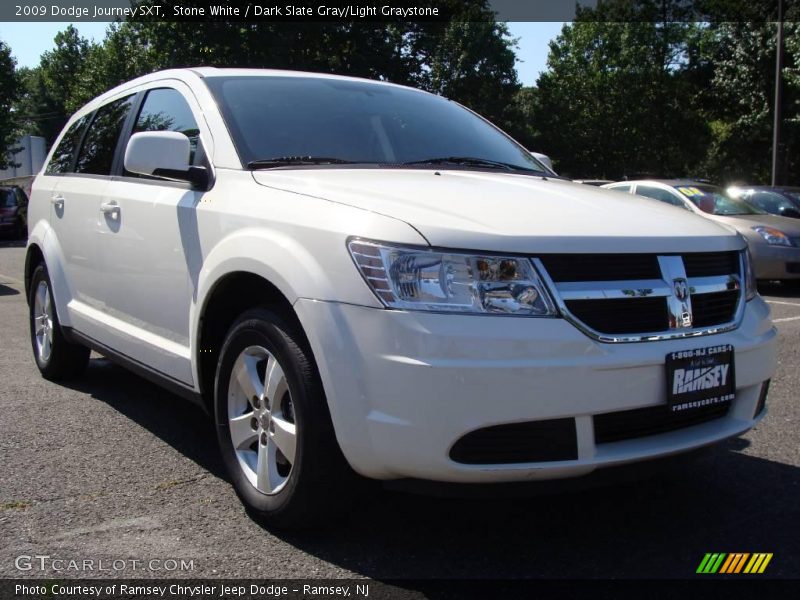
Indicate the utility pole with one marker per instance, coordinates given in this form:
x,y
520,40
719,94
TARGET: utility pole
x,y
778,112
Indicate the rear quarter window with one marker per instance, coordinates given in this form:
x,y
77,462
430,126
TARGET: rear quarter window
x,y
64,154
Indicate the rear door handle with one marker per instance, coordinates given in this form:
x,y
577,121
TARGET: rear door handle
x,y
57,201
110,208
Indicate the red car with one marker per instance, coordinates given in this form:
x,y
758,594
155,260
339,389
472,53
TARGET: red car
x,y
13,212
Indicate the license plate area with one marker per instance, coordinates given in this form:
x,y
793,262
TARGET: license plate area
x,y
700,377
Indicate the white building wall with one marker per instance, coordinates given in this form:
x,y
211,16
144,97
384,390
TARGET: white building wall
x,y
30,157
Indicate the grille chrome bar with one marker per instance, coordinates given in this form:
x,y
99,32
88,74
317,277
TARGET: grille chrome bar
x,y
710,285
599,290
673,281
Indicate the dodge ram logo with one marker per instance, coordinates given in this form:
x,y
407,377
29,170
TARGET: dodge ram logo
x,y
680,289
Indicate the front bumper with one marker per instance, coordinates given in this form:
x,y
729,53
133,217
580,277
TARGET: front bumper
x,y
403,387
775,262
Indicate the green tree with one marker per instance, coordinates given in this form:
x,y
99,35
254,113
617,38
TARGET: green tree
x,y
525,112
617,99
123,55
8,94
470,59
49,91
743,94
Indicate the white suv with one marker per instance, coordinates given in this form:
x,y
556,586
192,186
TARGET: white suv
x,y
361,279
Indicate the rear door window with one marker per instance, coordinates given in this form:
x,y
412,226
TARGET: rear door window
x,y
99,146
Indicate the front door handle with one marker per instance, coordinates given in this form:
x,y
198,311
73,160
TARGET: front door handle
x,y
57,201
110,208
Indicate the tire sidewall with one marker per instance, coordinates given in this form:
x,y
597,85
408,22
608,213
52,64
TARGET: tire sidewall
x,y
262,330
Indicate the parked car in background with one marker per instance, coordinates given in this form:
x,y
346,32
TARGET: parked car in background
x,y
774,241
13,212
781,201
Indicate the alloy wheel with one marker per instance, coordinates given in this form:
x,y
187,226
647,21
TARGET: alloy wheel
x,y
261,419
43,321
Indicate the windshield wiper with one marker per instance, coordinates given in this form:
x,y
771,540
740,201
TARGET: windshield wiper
x,y
288,161
470,161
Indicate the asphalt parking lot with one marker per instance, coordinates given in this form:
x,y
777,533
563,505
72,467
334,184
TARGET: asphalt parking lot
x,y
112,467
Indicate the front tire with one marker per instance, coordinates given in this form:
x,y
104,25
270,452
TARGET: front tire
x,y
56,358
273,425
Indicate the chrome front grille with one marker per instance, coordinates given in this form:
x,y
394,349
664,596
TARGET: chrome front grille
x,y
639,297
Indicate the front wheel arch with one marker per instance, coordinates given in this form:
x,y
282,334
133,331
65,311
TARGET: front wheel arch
x,y
33,258
230,297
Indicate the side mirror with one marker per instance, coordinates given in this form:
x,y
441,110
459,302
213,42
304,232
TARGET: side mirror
x,y
163,154
544,159
787,211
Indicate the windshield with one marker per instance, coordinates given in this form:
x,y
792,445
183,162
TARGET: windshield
x,y
711,199
772,202
357,122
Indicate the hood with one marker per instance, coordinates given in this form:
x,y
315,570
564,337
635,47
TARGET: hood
x,y
508,212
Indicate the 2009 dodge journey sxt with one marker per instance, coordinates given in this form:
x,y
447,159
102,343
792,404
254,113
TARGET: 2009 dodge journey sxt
x,y
358,279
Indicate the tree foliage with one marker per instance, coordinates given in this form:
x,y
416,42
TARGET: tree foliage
x,y
8,95
743,88
49,91
616,100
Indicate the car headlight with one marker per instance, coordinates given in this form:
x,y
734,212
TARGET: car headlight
x,y
750,287
420,279
774,237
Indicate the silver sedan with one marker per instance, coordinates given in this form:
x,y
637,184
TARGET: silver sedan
x,y
774,241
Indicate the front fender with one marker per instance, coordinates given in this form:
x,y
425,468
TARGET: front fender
x,y
297,270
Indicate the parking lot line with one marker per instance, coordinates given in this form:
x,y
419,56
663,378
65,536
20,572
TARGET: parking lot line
x,y
781,302
784,319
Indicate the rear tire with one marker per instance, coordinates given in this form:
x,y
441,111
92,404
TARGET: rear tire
x,y
56,358
273,425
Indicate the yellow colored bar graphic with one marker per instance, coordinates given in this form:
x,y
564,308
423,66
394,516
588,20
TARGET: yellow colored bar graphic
x,y
767,558
754,563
